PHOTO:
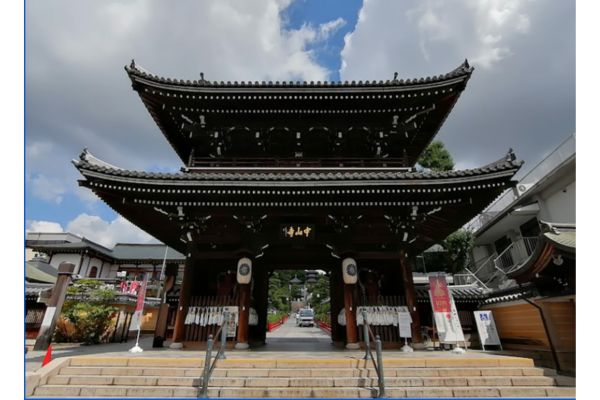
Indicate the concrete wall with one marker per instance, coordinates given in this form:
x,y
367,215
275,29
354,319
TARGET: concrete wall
x,y
73,258
559,204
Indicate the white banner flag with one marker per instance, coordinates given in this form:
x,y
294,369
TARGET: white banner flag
x,y
488,334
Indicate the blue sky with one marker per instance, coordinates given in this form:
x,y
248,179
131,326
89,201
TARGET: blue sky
x,y
77,94
319,12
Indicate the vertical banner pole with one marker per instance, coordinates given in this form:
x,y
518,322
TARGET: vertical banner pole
x,y
139,310
162,276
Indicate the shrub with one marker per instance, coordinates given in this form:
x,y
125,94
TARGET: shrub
x,y
89,311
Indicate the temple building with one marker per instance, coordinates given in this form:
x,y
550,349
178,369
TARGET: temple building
x,y
297,175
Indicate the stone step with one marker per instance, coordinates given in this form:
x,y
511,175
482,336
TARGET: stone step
x,y
409,362
65,391
137,371
311,382
123,380
306,372
88,361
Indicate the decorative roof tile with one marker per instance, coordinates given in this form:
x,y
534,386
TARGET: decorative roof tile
x,y
463,70
89,163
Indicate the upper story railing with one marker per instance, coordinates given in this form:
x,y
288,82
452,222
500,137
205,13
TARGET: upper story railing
x,y
299,162
561,154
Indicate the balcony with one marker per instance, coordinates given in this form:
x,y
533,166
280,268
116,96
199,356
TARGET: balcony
x,y
493,271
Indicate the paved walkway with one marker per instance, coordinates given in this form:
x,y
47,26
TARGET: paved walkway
x,y
289,337
289,342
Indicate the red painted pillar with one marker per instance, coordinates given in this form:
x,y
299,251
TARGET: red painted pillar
x,y
243,317
182,308
350,310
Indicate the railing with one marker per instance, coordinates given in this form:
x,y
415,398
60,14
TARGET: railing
x,y
514,255
302,162
208,365
271,326
378,365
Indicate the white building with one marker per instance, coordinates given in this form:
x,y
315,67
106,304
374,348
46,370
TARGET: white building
x,y
506,233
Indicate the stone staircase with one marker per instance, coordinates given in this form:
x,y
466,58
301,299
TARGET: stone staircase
x,y
342,377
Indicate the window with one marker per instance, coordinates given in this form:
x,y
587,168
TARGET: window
x,y
93,272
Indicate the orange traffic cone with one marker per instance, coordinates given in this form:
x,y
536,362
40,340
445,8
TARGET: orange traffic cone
x,y
48,356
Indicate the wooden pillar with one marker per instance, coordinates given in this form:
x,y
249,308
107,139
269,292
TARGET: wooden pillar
x,y
160,333
350,310
243,316
54,307
244,279
411,301
182,307
258,334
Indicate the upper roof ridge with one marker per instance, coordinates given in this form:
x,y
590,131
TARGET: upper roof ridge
x,y
464,69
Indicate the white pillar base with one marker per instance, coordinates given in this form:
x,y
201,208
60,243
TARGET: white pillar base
x,y
136,349
352,346
406,349
176,345
241,346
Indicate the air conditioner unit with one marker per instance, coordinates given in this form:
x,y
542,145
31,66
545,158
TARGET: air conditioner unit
x,y
523,187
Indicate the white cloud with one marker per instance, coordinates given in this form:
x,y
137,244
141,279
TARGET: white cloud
x,y
96,229
79,96
107,233
47,188
522,93
43,226
328,28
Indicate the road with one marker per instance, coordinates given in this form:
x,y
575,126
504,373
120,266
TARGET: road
x,y
290,337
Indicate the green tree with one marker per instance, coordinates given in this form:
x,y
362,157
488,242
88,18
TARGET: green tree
x,y
320,293
436,157
459,245
89,309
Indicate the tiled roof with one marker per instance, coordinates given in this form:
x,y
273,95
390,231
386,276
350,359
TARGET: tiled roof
x,y
511,294
463,70
40,271
87,162
121,251
459,293
33,290
127,251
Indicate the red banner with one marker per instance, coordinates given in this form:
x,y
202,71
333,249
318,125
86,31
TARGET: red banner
x,y
440,297
136,318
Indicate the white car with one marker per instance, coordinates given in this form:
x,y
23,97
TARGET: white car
x,y
306,317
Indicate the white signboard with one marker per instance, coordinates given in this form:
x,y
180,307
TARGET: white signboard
x,y
488,334
50,311
404,321
448,325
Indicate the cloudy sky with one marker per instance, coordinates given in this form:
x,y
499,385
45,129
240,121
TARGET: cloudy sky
x,y
521,95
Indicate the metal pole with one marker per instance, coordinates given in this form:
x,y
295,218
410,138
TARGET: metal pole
x,y
378,349
552,348
366,335
209,346
162,276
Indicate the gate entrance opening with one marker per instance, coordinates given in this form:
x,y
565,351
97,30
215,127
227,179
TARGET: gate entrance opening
x,y
299,307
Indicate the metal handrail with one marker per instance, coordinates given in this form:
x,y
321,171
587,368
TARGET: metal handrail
x,y
378,365
515,254
208,366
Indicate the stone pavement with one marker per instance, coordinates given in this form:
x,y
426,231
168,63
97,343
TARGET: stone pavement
x,y
289,342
